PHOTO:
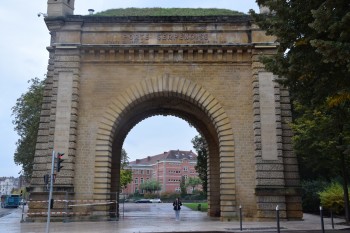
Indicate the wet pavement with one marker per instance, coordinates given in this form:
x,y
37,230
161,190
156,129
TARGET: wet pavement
x,y
145,218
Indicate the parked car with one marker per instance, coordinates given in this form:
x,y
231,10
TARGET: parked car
x,y
157,200
143,201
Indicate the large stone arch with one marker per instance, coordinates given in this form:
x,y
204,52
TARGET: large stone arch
x,y
206,70
170,87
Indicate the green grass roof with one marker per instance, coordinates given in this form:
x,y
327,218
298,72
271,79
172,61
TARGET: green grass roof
x,y
168,12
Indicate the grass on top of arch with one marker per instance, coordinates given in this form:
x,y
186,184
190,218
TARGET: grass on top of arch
x,y
194,206
157,11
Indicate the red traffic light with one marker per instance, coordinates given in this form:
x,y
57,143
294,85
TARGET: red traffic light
x,y
59,161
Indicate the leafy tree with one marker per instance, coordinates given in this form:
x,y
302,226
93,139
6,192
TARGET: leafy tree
x,y
125,174
315,141
193,182
26,114
200,145
312,61
151,186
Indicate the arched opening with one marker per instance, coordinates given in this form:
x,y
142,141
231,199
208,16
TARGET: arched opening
x,y
184,110
160,153
202,111
159,134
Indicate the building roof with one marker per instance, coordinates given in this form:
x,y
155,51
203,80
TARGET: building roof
x,y
166,156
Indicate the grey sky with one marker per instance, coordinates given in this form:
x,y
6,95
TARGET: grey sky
x,y
23,42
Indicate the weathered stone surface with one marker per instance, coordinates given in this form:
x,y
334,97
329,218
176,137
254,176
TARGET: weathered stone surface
x,y
104,77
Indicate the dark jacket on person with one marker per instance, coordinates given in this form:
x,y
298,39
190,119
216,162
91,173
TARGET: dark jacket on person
x,y
177,204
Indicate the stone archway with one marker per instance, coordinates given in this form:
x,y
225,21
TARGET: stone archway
x,y
194,104
106,74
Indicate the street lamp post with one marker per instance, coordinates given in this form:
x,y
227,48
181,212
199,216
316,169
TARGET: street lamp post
x,y
158,175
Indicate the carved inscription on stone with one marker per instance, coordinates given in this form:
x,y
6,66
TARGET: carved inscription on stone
x,y
187,37
159,38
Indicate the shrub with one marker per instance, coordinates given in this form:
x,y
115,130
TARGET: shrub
x,y
311,200
150,195
332,198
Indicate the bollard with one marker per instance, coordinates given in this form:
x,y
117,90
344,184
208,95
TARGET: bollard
x,y
22,220
199,207
240,218
321,215
278,218
332,218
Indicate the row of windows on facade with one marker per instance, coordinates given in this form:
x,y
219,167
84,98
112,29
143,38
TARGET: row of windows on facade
x,y
147,172
136,181
177,189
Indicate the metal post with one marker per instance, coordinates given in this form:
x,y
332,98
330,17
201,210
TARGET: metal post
x,y
158,175
50,194
22,220
332,218
240,218
278,218
116,207
321,215
66,208
123,205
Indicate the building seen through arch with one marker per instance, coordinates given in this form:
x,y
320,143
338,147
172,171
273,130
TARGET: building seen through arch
x,y
167,168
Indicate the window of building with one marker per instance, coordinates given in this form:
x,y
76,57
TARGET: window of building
x,y
141,180
136,180
186,169
141,172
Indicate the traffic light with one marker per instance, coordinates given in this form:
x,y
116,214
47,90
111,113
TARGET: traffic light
x,y
59,161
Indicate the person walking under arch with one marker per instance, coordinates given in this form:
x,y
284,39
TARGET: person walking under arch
x,y
177,207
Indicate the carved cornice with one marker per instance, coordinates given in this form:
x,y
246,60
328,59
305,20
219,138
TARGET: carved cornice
x,y
166,54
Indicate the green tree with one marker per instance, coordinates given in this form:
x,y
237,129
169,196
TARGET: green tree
x,y
193,182
26,114
125,173
315,141
200,145
313,62
151,186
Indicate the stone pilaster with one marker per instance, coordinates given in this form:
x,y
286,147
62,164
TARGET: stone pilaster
x,y
57,130
270,180
291,171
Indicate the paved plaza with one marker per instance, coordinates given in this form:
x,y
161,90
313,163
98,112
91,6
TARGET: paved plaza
x,y
143,218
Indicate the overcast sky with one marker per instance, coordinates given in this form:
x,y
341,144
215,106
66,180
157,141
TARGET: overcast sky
x,y
23,42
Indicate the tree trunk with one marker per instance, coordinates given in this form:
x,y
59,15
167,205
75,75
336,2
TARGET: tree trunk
x,y
345,187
